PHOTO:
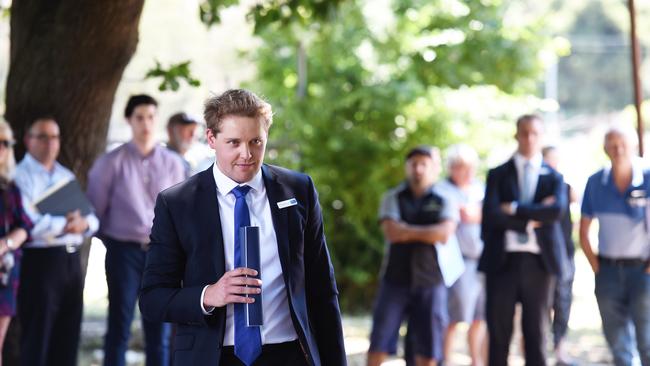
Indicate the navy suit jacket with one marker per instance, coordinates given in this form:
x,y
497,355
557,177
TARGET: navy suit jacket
x,y
502,187
187,254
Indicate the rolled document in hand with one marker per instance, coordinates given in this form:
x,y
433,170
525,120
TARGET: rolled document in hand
x,y
249,237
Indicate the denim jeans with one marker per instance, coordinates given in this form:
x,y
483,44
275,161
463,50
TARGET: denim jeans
x,y
124,267
623,294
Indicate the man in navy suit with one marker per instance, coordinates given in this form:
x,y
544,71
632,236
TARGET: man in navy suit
x,y
194,274
524,199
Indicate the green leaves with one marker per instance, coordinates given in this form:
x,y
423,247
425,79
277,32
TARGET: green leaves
x,y
172,76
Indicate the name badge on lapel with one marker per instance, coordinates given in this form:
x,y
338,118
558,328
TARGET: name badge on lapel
x,y
287,203
544,171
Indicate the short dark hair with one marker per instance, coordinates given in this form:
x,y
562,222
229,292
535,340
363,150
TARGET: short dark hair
x,y
236,102
423,150
548,149
527,118
136,100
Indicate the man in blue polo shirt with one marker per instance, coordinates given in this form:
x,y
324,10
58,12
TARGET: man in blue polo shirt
x,y
617,198
413,219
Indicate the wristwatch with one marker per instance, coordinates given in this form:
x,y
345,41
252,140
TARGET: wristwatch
x,y
10,243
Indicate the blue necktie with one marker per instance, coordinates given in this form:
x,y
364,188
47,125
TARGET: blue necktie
x,y
248,341
525,196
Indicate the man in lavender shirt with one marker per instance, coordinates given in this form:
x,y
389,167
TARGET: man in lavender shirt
x,y
123,185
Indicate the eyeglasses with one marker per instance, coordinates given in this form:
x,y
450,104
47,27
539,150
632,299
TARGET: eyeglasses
x,y
6,143
45,138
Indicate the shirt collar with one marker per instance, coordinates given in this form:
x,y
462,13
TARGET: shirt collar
x,y
404,186
35,164
225,184
131,146
637,173
535,161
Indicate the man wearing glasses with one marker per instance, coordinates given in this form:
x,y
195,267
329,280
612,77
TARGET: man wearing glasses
x,y
50,297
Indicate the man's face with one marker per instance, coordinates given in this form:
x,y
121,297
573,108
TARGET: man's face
x,y
181,136
43,141
529,137
618,148
423,170
239,146
142,122
462,172
552,158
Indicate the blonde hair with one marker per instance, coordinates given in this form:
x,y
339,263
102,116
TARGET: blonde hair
x,y
8,166
236,102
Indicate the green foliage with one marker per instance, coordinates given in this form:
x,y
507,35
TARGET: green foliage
x,y
273,12
209,10
172,75
350,101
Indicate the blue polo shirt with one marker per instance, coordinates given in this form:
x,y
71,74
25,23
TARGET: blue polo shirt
x,y
623,229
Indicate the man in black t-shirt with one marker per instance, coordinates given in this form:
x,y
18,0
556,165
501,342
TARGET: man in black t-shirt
x,y
413,219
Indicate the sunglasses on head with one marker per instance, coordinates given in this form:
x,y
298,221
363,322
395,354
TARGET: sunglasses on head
x,y
6,143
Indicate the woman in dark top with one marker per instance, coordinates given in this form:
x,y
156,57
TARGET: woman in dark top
x,y
14,229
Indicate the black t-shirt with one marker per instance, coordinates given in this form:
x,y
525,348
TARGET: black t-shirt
x,y
414,264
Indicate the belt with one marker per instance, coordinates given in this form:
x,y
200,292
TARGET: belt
x,y
272,347
69,248
623,262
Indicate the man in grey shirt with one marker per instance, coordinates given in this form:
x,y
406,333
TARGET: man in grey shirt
x,y
123,185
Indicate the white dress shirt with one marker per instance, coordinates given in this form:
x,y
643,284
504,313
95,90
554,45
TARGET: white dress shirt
x,y
512,244
278,327
33,180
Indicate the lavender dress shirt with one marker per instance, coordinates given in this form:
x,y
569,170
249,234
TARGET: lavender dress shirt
x,y
123,185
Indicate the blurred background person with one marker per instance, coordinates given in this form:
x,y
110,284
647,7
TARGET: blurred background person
x,y
50,297
524,200
467,295
617,197
14,226
413,218
563,291
182,134
123,185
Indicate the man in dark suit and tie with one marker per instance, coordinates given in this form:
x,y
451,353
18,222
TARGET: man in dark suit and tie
x,y
524,199
195,276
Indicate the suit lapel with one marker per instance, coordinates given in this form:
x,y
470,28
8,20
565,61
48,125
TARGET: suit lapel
x,y
542,180
275,192
207,217
513,180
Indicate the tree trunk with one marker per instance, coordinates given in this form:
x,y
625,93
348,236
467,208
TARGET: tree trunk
x,y
66,60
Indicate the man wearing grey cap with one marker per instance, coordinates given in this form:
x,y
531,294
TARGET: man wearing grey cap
x,y
181,129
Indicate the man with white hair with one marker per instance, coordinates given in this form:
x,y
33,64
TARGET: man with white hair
x,y
466,301
617,197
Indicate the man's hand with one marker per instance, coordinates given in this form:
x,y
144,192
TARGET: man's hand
x,y
507,208
550,200
470,214
395,231
231,287
76,224
4,247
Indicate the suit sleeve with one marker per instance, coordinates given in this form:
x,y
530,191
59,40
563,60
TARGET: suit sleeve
x,y
546,213
162,296
493,217
320,286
